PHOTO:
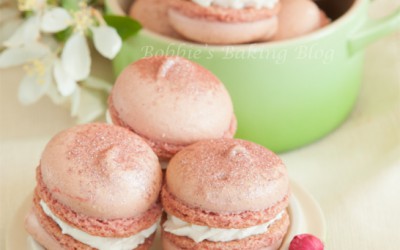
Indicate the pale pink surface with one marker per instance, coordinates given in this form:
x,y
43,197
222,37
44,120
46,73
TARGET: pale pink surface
x,y
214,32
35,229
120,227
164,150
324,19
227,175
172,100
152,14
101,171
296,18
218,25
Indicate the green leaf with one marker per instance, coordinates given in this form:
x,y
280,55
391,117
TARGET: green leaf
x,y
63,35
27,14
71,4
125,26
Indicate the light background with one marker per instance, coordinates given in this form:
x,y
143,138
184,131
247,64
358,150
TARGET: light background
x,y
354,173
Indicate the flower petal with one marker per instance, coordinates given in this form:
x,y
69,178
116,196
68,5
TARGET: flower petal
x,y
65,84
107,41
108,117
75,57
75,102
97,83
17,56
31,89
55,96
7,29
55,20
27,33
93,105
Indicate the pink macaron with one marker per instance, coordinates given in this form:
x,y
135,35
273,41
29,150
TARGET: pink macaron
x,y
212,22
153,15
171,102
299,17
97,188
225,194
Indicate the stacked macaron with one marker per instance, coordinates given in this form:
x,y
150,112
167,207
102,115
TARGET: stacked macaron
x,y
97,188
98,185
171,102
230,22
225,194
224,21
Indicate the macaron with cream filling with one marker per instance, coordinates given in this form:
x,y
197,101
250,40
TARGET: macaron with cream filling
x,y
225,194
97,188
171,102
224,21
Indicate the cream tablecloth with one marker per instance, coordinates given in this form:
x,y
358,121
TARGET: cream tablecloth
x,y
354,173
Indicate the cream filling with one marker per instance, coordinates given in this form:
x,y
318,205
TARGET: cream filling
x,y
199,233
101,243
238,4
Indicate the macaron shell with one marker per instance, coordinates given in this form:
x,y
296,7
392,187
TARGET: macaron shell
x,y
227,176
194,215
152,15
271,240
219,25
101,171
65,241
172,100
296,18
123,227
216,32
35,229
163,150
324,19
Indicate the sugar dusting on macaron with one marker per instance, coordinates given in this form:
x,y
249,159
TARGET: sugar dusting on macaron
x,y
225,194
97,187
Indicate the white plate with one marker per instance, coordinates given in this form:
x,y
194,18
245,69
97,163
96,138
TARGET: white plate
x,y
305,215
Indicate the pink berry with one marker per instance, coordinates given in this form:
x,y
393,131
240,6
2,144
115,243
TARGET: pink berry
x,y
306,242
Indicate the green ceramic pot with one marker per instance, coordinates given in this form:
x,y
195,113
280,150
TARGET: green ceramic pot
x,y
286,94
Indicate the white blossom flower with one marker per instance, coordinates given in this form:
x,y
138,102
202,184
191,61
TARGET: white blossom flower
x,y
75,57
10,19
106,39
29,31
61,70
55,20
42,67
32,5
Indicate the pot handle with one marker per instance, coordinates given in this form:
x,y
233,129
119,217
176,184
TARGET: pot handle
x,y
373,30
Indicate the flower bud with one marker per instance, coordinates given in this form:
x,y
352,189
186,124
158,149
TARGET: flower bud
x,y
306,242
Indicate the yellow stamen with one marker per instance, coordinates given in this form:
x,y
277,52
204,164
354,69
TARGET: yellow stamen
x,y
25,5
37,69
83,18
30,5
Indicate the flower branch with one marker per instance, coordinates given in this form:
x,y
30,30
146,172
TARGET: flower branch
x,y
52,46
